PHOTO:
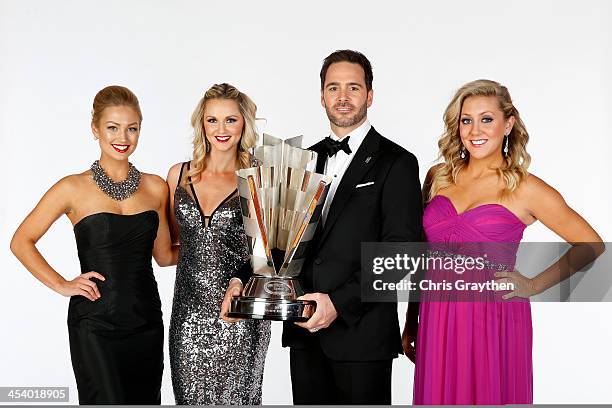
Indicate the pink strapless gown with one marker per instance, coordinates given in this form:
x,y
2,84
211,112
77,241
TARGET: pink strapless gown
x,y
473,352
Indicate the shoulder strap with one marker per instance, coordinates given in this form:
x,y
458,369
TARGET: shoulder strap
x,y
180,178
195,197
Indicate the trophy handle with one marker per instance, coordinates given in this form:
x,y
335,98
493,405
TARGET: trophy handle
x,y
298,236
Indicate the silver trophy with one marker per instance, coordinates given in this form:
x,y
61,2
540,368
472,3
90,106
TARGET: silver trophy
x,y
281,200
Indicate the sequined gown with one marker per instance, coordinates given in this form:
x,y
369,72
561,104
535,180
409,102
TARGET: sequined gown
x,y
212,362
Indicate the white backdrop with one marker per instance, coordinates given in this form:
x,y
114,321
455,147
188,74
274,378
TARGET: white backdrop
x,y
554,56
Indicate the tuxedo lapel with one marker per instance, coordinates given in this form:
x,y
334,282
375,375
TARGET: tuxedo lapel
x,y
360,164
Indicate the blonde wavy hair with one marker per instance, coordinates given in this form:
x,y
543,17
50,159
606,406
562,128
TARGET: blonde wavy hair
x,y
248,110
514,167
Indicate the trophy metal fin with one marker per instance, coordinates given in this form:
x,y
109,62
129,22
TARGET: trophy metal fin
x,y
299,234
260,220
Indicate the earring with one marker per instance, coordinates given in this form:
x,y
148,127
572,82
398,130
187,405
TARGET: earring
x,y
506,137
462,152
207,143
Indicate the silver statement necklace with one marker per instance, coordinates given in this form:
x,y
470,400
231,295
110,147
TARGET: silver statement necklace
x,y
117,191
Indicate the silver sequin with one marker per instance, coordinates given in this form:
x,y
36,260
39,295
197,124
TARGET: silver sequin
x,y
212,362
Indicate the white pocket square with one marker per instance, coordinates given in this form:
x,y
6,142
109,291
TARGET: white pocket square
x,y
369,183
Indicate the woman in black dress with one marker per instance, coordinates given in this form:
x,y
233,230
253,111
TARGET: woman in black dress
x,y
119,215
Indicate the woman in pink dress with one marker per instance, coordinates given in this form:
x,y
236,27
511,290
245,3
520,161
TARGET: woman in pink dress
x,y
480,352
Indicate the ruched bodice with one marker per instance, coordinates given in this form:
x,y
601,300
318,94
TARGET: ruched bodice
x,y
119,247
485,223
487,228
116,341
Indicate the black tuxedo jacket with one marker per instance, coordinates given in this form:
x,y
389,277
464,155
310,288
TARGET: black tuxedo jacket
x,y
390,210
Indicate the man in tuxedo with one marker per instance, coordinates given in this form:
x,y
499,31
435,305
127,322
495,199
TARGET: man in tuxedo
x,y
343,354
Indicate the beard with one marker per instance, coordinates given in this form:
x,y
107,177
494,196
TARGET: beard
x,y
346,121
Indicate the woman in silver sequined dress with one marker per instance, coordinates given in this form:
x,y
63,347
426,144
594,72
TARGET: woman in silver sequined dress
x,y
213,362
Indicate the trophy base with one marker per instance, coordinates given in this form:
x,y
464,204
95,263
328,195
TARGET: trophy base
x,y
271,309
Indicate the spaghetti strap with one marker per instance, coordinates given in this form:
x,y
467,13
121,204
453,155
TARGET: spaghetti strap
x,y
180,178
195,197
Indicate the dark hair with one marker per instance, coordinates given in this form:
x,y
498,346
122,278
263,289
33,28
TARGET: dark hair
x,y
114,95
351,56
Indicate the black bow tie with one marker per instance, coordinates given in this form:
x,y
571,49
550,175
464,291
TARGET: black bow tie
x,y
331,146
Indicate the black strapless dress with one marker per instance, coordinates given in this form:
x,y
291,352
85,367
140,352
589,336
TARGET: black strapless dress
x,y
116,342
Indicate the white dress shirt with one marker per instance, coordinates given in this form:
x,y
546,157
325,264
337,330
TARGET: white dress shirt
x,y
336,165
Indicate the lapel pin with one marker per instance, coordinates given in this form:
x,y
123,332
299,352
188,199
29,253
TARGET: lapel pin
x,y
367,160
